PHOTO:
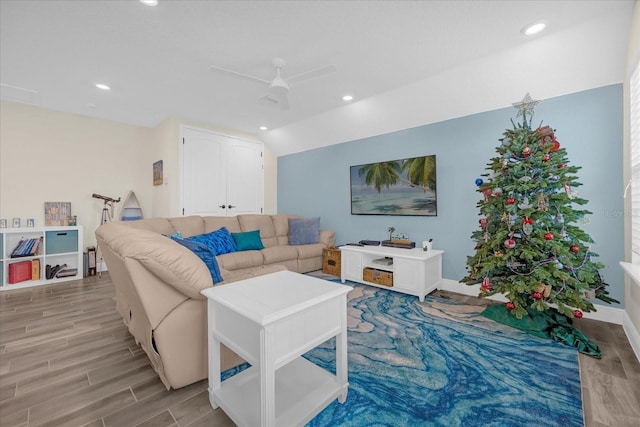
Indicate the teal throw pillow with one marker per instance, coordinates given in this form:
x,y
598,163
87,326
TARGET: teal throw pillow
x,y
249,240
304,231
219,241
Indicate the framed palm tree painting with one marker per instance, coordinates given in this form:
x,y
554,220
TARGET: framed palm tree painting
x,y
396,187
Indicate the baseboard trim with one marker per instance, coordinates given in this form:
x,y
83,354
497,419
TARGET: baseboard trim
x,y
632,334
603,313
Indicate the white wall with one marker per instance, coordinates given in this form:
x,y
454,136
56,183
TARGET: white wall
x,y
632,290
51,156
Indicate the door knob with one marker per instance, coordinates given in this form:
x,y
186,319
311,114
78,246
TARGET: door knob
x,y
221,206
230,206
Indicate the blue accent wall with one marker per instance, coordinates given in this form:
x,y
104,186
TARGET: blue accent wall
x,y
588,124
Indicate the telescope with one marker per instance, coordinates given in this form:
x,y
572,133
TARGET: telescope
x,y
105,198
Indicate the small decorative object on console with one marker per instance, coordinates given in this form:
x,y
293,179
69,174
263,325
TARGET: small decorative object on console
x,y
370,242
406,244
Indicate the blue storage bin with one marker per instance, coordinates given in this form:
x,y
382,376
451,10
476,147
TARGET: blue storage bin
x,y
61,241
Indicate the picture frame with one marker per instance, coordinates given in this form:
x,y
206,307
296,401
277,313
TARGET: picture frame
x,y
57,213
404,187
31,222
16,223
158,172
3,223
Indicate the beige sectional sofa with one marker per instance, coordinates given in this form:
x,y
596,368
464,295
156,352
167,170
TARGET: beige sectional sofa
x,y
158,282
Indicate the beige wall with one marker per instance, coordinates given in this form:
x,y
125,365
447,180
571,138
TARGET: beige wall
x,y
50,156
632,290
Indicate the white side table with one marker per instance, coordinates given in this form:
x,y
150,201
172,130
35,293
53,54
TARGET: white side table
x,y
270,321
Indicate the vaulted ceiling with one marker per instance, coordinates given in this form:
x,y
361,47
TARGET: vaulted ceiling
x,y
406,63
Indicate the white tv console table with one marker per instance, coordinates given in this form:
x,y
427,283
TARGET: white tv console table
x,y
415,271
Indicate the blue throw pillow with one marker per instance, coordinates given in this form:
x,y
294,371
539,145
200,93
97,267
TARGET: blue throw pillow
x,y
219,241
249,240
304,231
205,254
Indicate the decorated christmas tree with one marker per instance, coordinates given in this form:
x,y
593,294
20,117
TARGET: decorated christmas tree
x,y
529,244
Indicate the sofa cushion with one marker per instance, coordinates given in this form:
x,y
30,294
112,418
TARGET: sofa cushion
x,y
260,222
205,254
188,225
240,260
304,231
219,241
248,240
212,223
279,254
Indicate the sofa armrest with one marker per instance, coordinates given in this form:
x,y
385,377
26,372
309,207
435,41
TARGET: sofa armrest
x,y
328,238
172,263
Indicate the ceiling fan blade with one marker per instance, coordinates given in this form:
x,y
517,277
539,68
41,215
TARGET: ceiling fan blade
x,y
238,74
307,75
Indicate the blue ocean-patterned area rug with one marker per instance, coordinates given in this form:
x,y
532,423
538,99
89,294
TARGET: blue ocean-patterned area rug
x,y
441,363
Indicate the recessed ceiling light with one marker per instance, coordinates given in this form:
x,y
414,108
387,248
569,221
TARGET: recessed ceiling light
x,y
534,28
347,98
102,86
264,128
149,2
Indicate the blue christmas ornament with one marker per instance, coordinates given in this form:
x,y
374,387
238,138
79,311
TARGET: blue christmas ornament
x,y
479,182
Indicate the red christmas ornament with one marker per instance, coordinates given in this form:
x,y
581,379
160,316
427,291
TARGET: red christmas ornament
x,y
537,295
546,134
526,151
578,314
511,200
562,166
509,243
486,284
510,306
548,236
546,158
575,249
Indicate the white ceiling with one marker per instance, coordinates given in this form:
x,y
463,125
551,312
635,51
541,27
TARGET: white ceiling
x,y
406,62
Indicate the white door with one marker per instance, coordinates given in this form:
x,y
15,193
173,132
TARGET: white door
x,y
221,175
245,178
204,175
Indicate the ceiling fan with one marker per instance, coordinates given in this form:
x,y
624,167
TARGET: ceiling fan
x,y
278,92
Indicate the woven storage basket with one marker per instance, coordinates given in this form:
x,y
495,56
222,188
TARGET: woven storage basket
x,y
379,277
331,261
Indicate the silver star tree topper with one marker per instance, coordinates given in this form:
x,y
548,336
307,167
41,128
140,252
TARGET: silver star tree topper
x,y
525,107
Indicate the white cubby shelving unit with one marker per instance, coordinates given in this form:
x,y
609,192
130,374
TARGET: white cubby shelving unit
x,y
60,245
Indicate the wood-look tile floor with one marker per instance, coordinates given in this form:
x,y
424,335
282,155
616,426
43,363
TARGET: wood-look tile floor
x,y
66,359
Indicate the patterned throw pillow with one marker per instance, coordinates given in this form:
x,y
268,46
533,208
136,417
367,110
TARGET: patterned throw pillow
x,y
205,254
304,231
219,241
249,240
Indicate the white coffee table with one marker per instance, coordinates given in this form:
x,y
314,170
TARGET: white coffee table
x,y
270,321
